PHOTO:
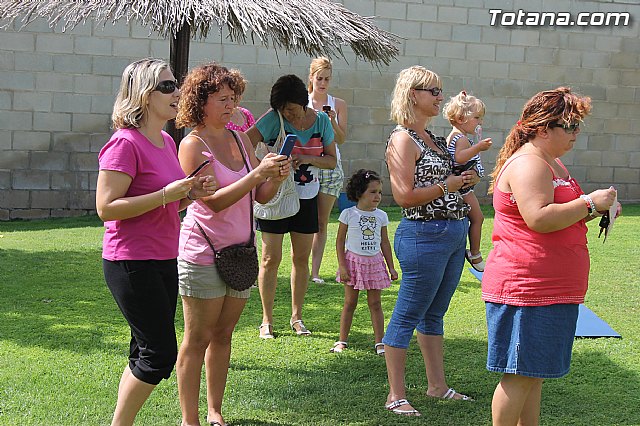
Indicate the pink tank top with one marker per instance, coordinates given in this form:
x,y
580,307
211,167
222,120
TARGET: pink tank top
x,y
528,268
225,228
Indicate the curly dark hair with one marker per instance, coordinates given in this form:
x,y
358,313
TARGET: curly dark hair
x,y
198,85
288,89
358,183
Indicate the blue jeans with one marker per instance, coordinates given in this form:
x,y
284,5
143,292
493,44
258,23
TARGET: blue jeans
x,y
431,256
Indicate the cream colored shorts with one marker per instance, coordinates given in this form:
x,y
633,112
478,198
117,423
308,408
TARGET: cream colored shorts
x,y
204,282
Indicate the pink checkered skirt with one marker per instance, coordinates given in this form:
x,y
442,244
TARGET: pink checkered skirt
x,y
367,272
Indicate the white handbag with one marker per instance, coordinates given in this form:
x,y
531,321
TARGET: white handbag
x,y
286,202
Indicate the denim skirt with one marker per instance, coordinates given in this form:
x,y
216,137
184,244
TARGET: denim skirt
x,y
532,341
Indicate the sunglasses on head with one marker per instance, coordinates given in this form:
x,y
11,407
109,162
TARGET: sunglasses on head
x,y
435,91
167,86
568,128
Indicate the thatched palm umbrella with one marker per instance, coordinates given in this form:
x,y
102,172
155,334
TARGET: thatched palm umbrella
x,y
314,27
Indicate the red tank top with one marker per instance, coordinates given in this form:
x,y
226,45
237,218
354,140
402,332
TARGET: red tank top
x,y
528,268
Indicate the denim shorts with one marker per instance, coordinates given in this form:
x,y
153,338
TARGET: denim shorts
x,y
204,282
431,256
532,341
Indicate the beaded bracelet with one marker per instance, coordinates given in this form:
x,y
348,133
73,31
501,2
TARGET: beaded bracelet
x,y
189,196
164,200
444,187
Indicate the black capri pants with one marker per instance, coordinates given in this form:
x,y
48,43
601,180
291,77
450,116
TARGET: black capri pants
x,y
146,292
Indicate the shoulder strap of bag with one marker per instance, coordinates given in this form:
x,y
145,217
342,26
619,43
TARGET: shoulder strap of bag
x,y
246,166
204,234
282,135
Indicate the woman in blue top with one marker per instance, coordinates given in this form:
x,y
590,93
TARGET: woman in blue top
x,y
314,150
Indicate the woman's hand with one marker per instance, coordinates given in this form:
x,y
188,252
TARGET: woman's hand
x,y
204,186
274,166
603,198
178,189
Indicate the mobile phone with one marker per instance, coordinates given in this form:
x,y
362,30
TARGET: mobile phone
x,y
200,167
326,108
288,144
457,170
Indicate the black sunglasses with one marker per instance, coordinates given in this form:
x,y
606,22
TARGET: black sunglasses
x,y
167,87
568,128
435,91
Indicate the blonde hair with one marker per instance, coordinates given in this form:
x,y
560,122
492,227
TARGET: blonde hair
x,y
462,106
139,80
409,78
541,110
320,63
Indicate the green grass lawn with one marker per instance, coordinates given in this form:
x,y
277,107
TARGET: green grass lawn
x,y
63,344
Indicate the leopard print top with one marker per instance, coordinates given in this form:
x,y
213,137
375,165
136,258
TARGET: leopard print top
x,y
432,167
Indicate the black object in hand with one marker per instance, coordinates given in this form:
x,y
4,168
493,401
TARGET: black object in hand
x,y
604,224
457,170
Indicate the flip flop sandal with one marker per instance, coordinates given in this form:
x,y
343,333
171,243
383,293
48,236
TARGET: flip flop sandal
x,y
317,280
379,347
478,266
394,407
302,330
336,350
451,393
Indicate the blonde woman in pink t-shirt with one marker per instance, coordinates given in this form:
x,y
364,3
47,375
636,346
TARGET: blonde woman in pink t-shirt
x,y
140,190
212,308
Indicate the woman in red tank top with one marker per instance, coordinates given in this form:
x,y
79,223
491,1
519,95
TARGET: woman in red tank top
x,y
536,275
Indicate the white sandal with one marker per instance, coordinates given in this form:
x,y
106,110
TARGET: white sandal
x,y
336,350
302,330
479,266
268,334
379,347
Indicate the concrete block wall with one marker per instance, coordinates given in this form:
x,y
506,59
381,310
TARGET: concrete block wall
x,y
57,90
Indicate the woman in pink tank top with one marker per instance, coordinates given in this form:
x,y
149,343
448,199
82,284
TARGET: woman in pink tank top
x,y
212,308
536,275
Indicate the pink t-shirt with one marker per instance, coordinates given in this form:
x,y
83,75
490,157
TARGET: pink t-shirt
x,y
224,228
154,234
529,268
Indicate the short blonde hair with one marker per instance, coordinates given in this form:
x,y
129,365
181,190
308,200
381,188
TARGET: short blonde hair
x,y
409,78
462,106
320,63
139,80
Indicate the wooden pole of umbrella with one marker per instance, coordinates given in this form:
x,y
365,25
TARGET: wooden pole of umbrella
x,y
179,61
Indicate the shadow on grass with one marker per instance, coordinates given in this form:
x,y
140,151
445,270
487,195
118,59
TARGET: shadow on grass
x,y
57,300
57,223
305,384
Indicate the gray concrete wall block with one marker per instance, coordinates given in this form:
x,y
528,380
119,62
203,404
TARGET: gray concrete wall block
x,y
93,84
436,31
53,82
108,66
30,179
32,101
27,61
70,213
31,141
73,64
496,35
50,199
406,29
44,160
625,175
14,199
71,102
5,179
52,121
101,104
528,38
244,54
422,12
420,48
454,15
481,52
54,43
71,142
361,7
494,70
29,214
447,49
84,162
596,59
588,158
90,123
7,61
602,175
514,54
16,120
13,160
468,33
97,46
129,47
464,68
85,200
17,80
19,41
70,181
391,10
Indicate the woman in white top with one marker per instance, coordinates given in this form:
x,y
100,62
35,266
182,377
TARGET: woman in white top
x,y
331,180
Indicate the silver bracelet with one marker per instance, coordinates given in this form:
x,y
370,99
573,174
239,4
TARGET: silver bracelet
x,y
591,206
164,200
446,188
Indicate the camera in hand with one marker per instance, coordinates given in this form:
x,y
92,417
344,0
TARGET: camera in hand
x,y
326,108
457,170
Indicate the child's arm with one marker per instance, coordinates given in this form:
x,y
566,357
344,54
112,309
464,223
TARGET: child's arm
x,y
465,151
385,246
341,240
